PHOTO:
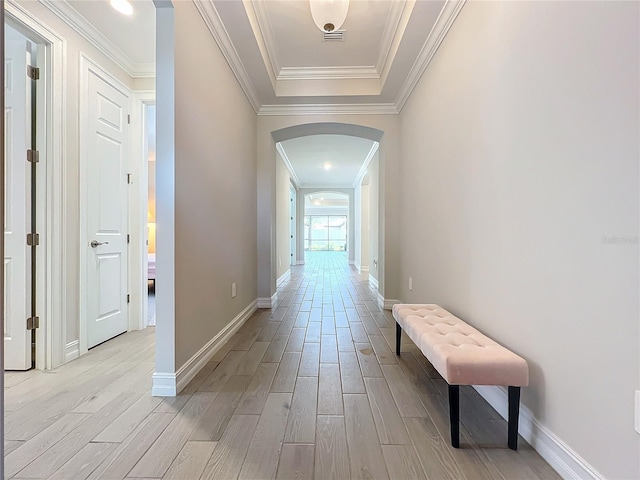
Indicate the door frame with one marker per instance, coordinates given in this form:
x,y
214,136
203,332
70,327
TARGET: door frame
x,y
87,65
138,206
51,204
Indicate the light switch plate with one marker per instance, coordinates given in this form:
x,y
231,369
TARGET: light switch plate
x,y
233,290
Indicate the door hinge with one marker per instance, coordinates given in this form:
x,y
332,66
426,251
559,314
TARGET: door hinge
x,y
33,323
33,239
129,119
129,176
33,156
128,238
33,72
128,298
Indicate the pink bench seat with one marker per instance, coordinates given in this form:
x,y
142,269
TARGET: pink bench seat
x,y
463,356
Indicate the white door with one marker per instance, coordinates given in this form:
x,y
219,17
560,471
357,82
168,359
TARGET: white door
x,y
17,259
107,150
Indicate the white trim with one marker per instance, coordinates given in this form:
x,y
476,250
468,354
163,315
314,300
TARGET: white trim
x,y
373,283
300,262
284,278
328,73
557,453
261,27
362,269
363,169
87,65
69,15
380,299
265,302
439,31
388,303
392,35
51,275
287,163
338,109
221,36
170,384
72,351
195,363
164,385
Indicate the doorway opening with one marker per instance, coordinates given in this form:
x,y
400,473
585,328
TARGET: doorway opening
x,y
150,154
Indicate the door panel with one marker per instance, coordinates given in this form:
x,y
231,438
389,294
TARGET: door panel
x,y
107,207
17,259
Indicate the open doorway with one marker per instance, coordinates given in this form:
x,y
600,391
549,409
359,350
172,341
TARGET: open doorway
x,y
150,149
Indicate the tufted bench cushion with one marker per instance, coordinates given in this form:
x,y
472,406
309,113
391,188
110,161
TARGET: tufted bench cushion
x,y
459,352
463,356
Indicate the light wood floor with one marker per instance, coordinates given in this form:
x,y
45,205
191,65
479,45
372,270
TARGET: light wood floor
x,y
312,389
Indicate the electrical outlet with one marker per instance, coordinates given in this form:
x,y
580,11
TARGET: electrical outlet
x,y
410,284
233,290
638,411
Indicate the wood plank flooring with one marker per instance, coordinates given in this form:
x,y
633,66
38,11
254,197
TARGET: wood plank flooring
x,y
312,389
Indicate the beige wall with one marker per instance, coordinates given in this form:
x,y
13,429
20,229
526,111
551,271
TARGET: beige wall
x,y
520,163
283,222
215,197
75,45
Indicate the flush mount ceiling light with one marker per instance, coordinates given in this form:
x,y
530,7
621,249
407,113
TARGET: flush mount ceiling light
x,y
329,15
327,166
122,6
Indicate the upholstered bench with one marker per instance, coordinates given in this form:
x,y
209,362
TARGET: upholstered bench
x,y
463,356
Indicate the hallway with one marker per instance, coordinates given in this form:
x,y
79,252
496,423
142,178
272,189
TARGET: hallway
x,y
312,389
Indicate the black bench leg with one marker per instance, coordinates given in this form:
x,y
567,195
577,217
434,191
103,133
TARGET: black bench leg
x,y
454,414
398,337
514,410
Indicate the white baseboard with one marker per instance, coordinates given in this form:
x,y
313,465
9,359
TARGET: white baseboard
x,y
169,384
386,303
72,351
557,453
373,283
284,278
266,302
352,262
300,262
164,385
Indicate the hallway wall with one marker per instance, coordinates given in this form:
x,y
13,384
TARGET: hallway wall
x,y
215,201
520,206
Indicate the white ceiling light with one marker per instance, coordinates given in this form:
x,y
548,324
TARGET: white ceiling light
x,y
329,15
327,166
122,6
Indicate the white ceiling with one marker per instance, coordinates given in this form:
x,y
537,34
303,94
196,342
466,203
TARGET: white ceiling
x,y
284,67
278,54
307,156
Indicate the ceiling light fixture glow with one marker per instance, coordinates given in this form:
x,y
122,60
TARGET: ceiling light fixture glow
x,y
122,6
329,15
327,166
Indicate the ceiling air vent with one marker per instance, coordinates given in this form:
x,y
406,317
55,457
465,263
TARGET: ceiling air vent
x,y
335,36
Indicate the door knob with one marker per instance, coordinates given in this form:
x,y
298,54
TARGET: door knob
x,y
95,243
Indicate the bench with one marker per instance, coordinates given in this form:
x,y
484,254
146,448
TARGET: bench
x,y
463,356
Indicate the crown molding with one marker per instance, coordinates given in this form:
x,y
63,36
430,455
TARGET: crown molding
x,y
392,35
221,36
328,109
261,25
287,163
69,15
365,165
439,31
327,73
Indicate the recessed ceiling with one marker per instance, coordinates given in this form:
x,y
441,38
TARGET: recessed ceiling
x,y
278,54
344,154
